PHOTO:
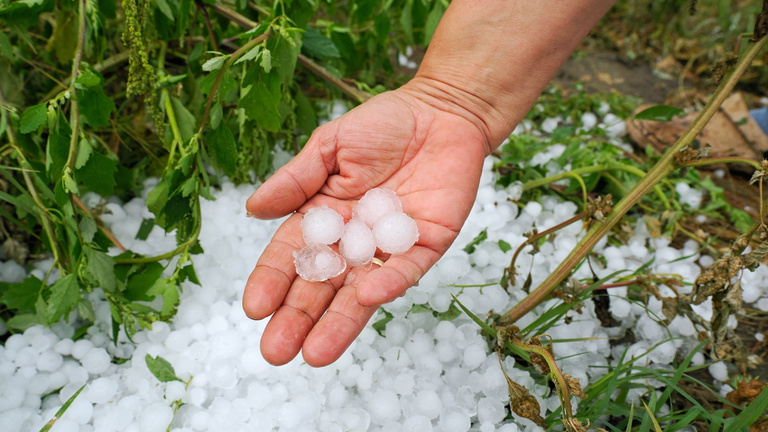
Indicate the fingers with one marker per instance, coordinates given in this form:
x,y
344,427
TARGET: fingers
x,y
339,327
294,183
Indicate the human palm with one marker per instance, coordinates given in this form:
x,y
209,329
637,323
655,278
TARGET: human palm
x,y
432,160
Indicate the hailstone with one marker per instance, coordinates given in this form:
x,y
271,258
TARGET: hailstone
x,y
317,262
395,233
322,225
376,203
357,245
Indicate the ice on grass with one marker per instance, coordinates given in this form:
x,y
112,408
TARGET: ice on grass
x,y
375,204
322,225
357,244
316,262
395,233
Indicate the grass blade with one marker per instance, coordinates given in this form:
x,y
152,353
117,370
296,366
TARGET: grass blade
x,y
61,411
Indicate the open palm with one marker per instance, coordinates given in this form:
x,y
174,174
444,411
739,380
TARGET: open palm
x,y
431,158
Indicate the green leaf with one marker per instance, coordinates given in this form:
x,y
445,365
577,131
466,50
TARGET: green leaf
x,y
305,113
88,78
68,181
161,369
189,186
188,273
65,293
261,106
145,229
216,115
659,113
100,269
62,410
266,60
452,313
406,22
315,44
214,63
223,149
184,118
169,290
5,46
432,20
87,228
33,117
470,248
98,174
23,321
95,107
21,296
250,55
84,151
165,9
504,246
562,132
381,325
138,285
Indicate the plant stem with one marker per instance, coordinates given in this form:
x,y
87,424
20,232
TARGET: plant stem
x,y
230,61
177,141
26,169
711,161
75,113
351,91
662,168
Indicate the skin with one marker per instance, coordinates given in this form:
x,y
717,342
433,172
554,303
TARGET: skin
x,y
426,141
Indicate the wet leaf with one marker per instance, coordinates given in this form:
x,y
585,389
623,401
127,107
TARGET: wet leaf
x,y
161,369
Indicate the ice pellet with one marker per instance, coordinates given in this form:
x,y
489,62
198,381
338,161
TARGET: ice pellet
x,y
357,245
317,262
322,225
375,204
395,233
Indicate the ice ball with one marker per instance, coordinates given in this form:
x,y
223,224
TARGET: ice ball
x,y
322,225
395,233
357,245
316,262
375,204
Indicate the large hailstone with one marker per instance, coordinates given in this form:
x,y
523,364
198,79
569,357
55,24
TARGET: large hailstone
x,y
322,225
376,203
395,233
317,262
357,245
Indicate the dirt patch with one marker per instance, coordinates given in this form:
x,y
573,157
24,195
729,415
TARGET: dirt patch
x,y
605,72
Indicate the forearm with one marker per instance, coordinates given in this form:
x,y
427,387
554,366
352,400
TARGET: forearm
x,y
490,59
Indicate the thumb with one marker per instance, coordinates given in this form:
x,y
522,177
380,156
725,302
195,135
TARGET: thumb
x,y
294,183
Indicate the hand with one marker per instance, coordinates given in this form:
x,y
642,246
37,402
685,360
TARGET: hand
x,y
430,157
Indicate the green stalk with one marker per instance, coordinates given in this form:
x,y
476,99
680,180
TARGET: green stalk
x,y
662,168
26,169
73,90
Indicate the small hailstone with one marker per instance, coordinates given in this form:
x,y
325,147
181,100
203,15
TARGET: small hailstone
x,y
375,204
395,233
357,244
322,225
317,262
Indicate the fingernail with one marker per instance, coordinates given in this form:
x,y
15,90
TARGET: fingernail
x,y
250,214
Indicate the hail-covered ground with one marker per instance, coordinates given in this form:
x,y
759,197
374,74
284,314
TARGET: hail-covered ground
x,y
420,374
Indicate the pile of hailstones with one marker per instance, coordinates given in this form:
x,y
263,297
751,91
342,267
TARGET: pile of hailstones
x,y
377,221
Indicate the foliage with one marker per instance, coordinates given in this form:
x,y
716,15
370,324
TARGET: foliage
x,y
212,88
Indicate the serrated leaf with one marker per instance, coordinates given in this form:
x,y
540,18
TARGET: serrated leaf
x,y
68,181
161,369
98,174
100,269
315,44
266,60
381,325
88,78
250,55
169,290
138,285
21,296
95,106
84,151
260,105
189,187
85,310
33,117
214,63
662,113
165,9
65,293
223,149
87,228
188,273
